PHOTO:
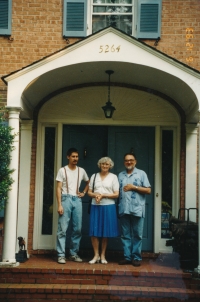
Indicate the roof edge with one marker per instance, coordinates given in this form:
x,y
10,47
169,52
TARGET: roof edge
x,y
107,29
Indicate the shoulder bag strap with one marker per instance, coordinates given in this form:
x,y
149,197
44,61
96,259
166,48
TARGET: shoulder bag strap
x,y
94,182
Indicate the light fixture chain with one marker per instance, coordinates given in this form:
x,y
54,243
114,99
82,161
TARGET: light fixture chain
x,y
109,89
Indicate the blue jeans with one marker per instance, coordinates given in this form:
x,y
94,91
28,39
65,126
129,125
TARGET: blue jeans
x,y
72,206
131,236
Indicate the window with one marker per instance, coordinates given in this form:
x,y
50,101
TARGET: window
x,y
116,13
139,18
5,17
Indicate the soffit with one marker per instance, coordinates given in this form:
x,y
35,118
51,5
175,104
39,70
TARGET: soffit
x,y
132,107
144,77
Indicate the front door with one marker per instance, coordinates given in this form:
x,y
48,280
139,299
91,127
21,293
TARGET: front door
x,y
94,142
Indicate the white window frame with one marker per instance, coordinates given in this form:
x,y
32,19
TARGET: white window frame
x,y
160,243
41,241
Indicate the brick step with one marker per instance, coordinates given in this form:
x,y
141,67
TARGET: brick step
x,y
75,292
98,277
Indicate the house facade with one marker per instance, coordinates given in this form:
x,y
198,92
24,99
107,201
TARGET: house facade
x,y
54,61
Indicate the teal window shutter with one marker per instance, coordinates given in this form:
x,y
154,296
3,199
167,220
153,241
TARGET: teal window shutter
x,y
149,19
75,18
5,17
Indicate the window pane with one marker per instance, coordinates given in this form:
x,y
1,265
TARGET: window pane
x,y
99,9
112,9
98,22
119,21
48,187
113,1
118,13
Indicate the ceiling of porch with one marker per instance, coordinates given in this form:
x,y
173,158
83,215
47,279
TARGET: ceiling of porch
x,y
133,107
141,77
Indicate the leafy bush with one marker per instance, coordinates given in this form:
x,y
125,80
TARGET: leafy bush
x,y
6,145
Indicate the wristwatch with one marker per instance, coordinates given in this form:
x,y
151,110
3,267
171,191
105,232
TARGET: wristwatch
x,y
83,192
136,187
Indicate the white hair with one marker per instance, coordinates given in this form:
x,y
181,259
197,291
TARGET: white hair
x,y
105,160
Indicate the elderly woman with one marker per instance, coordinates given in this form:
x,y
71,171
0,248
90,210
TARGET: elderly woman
x,y
103,218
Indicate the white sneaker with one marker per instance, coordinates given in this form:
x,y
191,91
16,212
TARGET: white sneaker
x,y
75,258
61,260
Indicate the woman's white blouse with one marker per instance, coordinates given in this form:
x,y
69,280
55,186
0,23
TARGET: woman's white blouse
x,y
109,185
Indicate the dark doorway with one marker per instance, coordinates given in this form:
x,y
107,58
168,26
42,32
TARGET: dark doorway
x,y
94,142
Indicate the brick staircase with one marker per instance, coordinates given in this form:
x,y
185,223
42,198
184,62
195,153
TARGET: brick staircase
x,y
43,279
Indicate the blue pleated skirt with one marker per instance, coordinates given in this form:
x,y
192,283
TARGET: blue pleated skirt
x,y
103,221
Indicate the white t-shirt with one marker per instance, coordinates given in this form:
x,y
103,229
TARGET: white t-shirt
x,y
109,185
72,179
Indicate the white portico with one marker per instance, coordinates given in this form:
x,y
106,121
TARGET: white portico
x,y
70,87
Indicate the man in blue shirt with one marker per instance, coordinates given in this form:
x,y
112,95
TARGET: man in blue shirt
x,y
134,185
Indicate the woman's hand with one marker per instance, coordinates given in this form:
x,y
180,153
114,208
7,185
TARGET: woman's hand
x,y
98,198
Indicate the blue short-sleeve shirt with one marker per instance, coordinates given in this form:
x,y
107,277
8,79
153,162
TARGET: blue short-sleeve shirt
x,y
132,202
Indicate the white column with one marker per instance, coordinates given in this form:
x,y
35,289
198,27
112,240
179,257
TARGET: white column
x,y
191,169
157,194
24,180
11,204
198,267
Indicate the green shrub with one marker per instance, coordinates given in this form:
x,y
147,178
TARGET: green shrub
x,y
6,145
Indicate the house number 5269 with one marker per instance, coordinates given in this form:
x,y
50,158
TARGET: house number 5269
x,y
108,48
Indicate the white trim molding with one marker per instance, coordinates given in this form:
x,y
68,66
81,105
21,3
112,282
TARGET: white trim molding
x,y
24,179
41,241
157,191
198,267
191,169
11,204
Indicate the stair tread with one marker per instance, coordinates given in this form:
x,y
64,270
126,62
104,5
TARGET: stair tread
x,y
128,271
98,291
93,286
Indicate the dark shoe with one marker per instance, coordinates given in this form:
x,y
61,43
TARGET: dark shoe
x,y
124,262
136,262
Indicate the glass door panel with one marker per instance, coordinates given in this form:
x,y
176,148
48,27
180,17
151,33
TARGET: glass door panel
x,y
48,181
167,181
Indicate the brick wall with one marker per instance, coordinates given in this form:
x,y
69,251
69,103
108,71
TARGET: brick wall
x,y
37,32
176,17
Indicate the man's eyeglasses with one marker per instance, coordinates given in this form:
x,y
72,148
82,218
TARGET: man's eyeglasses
x,y
127,160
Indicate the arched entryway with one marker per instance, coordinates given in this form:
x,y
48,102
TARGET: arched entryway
x,y
165,94
75,118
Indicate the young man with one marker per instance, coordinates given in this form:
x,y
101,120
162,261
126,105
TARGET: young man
x,y
134,184
70,205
